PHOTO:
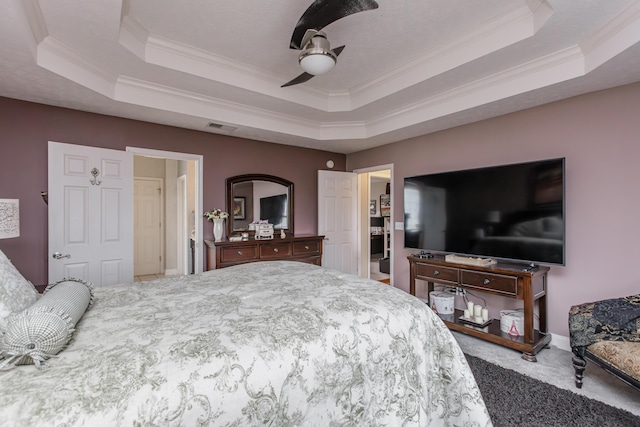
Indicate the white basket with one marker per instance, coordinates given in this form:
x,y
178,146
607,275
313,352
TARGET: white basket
x,y
512,322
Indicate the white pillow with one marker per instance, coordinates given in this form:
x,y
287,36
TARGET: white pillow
x,y
16,292
42,330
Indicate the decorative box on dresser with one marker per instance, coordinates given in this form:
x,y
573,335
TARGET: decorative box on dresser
x,y
507,280
292,248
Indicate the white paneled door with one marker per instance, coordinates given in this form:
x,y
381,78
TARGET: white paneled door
x,y
147,214
337,219
90,222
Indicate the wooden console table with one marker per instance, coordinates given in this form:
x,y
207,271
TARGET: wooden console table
x,y
293,248
506,280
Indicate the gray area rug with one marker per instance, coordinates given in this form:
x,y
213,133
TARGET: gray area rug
x,y
514,399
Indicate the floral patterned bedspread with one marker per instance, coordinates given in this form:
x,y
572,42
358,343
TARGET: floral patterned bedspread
x,y
272,343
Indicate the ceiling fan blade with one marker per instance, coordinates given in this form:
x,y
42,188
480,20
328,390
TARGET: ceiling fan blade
x,y
323,12
304,77
337,51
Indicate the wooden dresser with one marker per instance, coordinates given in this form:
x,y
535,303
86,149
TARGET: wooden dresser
x,y
296,248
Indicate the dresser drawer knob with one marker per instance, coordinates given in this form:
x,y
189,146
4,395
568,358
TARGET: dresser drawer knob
x,y
239,252
306,247
486,281
275,250
436,273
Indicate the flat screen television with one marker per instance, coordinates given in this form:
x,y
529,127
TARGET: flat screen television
x,y
513,212
274,209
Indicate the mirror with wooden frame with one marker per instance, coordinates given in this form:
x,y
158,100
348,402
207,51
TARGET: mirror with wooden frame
x,y
255,197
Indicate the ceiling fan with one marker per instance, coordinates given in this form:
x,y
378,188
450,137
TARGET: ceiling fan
x,y
316,56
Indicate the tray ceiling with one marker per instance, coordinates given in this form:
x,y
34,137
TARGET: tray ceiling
x,y
409,67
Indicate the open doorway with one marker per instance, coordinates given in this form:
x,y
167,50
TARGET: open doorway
x,y
175,244
376,237
379,225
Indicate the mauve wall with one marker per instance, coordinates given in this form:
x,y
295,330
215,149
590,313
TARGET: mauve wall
x,y
599,135
25,129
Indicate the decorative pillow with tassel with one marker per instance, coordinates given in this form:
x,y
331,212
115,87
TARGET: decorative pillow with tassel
x,y
41,331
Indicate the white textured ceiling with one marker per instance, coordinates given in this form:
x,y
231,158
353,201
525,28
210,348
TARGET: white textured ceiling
x,y
409,67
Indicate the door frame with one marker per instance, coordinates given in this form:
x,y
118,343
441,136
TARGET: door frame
x,y
199,161
363,208
182,221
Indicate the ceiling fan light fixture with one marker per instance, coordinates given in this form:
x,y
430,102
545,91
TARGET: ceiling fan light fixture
x,y
316,64
316,57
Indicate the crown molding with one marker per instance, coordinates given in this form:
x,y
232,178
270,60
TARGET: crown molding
x,y
36,23
505,30
152,95
554,68
618,34
68,63
521,23
169,54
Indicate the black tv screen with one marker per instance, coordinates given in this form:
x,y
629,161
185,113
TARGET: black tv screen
x,y
274,209
510,212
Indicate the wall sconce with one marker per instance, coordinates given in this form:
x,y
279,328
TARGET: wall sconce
x,y
9,218
45,196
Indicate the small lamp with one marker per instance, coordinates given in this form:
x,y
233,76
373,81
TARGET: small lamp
x,y
9,218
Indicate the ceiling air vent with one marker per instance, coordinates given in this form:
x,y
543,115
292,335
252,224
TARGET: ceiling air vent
x,y
218,126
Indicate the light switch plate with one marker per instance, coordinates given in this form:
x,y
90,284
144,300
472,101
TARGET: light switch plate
x,y
399,225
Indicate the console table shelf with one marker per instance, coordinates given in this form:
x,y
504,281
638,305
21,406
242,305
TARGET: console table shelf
x,y
506,280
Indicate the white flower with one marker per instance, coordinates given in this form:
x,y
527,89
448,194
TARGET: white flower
x,y
216,214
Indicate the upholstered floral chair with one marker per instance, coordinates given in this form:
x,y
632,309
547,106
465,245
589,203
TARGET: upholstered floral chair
x,y
608,333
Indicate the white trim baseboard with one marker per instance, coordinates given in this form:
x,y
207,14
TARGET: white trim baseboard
x,y
561,342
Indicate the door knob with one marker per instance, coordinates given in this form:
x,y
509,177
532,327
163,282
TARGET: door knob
x,y
58,255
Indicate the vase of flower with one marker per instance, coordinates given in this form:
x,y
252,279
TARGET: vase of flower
x,y
217,216
217,229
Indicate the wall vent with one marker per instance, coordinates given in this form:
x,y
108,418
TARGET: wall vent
x,y
219,126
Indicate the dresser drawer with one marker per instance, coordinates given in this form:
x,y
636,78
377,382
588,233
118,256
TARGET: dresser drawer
x,y
238,253
306,247
275,250
437,273
490,282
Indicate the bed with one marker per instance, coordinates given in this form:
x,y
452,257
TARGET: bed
x,y
276,343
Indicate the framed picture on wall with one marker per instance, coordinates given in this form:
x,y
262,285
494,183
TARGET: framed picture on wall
x,y
373,208
239,208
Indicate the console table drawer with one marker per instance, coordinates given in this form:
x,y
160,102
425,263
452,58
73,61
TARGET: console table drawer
x,y
437,273
239,253
275,251
490,282
307,247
